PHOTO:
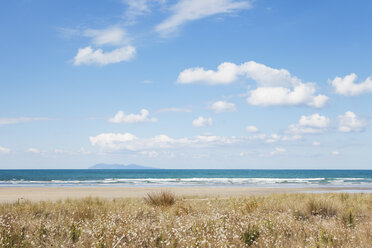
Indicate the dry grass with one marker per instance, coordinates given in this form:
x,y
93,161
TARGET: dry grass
x,y
161,199
278,220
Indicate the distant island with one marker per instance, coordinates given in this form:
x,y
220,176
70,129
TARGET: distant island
x,y
119,167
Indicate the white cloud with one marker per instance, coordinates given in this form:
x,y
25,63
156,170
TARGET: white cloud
x,y
121,117
165,110
151,154
33,150
251,129
347,86
108,36
303,94
267,76
202,122
138,8
4,150
89,56
315,143
349,122
277,150
9,121
128,141
274,138
310,124
275,86
315,120
335,153
226,73
223,106
81,151
190,10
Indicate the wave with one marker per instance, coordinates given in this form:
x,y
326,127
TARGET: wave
x,y
194,182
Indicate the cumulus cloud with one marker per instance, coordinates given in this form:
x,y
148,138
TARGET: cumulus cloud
x,y
315,120
275,86
226,73
349,122
251,129
223,106
4,150
10,121
335,153
128,141
190,10
202,122
280,96
311,124
121,117
89,56
347,86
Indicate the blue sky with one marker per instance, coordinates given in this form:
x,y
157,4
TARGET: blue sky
x,y
186,84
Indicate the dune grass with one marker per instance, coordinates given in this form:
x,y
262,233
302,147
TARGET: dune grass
x,y
163,198
278,220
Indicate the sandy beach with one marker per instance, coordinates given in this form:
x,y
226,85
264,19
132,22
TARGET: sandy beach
x,y
11,194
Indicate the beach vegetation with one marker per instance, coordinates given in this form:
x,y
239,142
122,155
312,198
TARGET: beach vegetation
x,y
250,235
160,199
276,220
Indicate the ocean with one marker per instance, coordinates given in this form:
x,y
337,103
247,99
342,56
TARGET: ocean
x,y
185,178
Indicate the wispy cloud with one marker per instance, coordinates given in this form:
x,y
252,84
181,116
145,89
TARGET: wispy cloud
x,y
4,150
166,110
128,141
190,10
109,36
138,8
10,121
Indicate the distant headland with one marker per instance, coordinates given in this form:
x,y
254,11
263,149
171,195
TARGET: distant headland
x,y
119,167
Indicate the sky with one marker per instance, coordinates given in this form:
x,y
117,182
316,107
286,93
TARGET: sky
x,y
186,84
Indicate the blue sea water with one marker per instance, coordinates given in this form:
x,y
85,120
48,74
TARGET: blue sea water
x,y
250,178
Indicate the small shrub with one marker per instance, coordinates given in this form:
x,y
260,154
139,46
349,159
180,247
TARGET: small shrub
x,y
349,218
162,199
42,232
250,235
251,206
322,208
159,240
300,215
74,233
326,238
